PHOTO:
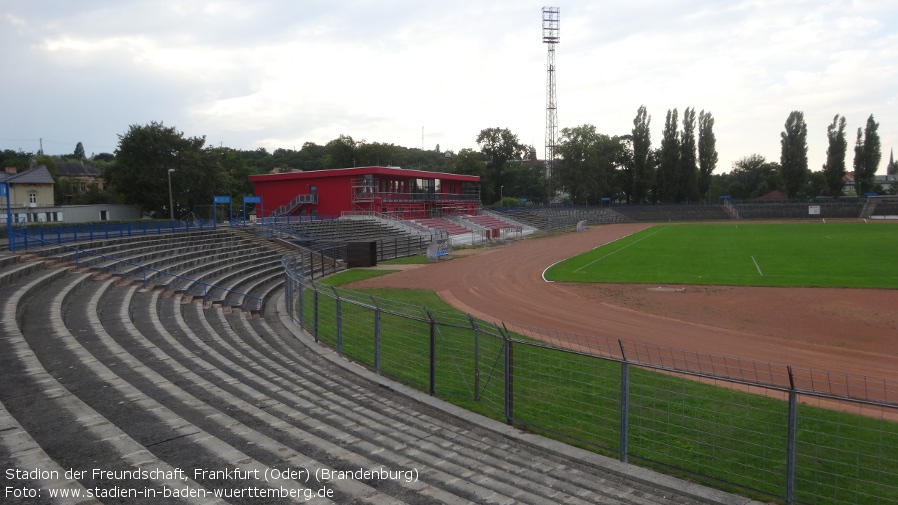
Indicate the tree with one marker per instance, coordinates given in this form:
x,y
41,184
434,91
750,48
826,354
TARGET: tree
x,y
377,154
17,159
588,162
688,187
470,162
527,181
79,151
753,176
641,165
834,168
140,174
669,167
707,153
794,154
340,153
499,146
867,155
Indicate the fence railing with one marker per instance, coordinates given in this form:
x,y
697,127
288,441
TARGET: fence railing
x,y
40,236
800,436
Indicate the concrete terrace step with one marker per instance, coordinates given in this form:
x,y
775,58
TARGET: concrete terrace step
x,y
100,375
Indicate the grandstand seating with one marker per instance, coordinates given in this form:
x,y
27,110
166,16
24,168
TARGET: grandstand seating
x,y
552,218
100,374
444,225
332,235
664,212
799,210
219,266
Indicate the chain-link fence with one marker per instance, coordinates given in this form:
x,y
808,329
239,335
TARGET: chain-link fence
x,y
799,436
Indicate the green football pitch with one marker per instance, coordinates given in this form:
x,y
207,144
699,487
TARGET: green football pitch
x,y
799,254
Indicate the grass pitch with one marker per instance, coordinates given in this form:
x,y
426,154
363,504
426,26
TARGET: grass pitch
x,y
855,255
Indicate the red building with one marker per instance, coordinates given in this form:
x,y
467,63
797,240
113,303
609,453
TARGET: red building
x,y
409,194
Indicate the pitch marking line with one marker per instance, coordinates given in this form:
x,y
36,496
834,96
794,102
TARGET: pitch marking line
x,y
756,266
617,251
543,275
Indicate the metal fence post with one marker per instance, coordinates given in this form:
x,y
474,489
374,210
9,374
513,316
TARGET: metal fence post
x,y
433,352
509,378
339,321
791,439
377,340
315,316
624,404
301,307
476,357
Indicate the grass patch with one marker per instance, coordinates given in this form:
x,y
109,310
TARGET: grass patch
x,y
800,254
352,275
420,259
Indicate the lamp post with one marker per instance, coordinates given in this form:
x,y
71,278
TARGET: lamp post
x,y
171,206
501,190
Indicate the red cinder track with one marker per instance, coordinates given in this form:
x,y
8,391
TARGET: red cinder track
x,y
847,331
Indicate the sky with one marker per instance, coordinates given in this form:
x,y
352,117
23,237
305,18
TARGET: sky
x,y
279,73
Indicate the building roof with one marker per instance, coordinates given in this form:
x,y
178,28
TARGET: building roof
x,y
354,172
76,169
36,175
773,195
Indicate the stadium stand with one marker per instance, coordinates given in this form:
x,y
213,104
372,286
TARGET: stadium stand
x,y
393,239
664,212
223,266
103,374
779,209
557,217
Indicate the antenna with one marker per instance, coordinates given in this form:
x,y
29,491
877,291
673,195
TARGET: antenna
x,y
551,36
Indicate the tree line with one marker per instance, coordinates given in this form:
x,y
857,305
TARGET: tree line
x,y
754,176
590,165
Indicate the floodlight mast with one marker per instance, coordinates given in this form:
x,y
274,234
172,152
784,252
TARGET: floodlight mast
x,y
551,36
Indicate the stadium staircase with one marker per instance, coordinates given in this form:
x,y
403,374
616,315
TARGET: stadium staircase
x,y
97,373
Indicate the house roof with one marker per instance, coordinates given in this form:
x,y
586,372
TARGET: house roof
x,y
773,195
76,169
354,172
36,175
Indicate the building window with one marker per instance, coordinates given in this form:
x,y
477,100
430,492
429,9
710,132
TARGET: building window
x,y
32,197
83,187
104,215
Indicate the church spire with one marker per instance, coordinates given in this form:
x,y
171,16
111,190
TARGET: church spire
x,y
892,169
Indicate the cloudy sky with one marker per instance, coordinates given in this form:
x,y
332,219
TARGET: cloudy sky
x,y
278,73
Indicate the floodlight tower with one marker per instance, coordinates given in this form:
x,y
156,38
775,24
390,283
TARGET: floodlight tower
x,y
551,36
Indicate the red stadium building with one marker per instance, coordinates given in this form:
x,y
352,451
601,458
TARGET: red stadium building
x,y
408,194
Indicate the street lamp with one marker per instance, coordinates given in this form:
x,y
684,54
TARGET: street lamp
x,y
501,190
171,206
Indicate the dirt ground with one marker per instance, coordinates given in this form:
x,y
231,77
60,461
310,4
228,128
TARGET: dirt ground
x,y
847,331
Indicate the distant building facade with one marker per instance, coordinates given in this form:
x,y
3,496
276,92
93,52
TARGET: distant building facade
x,y
31,201
408,194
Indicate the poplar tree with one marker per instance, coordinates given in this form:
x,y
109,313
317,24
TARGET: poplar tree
x,y
688,187
834,168
669,168
707,152
867,155
794,154
642,168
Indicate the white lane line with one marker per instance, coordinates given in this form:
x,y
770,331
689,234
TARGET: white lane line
x,y
756,266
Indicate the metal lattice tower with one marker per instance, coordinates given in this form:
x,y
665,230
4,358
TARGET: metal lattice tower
x,y
551,36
